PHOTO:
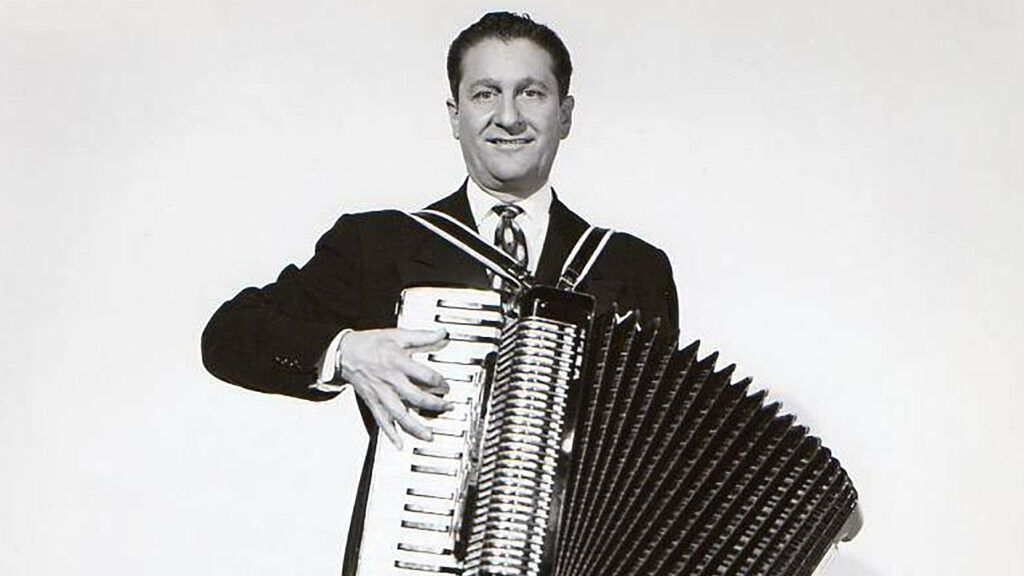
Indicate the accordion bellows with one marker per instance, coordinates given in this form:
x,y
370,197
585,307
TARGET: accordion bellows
x,y
678,470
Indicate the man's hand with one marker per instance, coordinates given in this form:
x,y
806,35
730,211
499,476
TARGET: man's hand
x,y
379,366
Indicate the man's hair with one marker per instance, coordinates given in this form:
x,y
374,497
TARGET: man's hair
x,y
507,26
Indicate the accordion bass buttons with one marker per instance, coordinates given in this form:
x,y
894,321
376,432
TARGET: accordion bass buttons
x,y
413,509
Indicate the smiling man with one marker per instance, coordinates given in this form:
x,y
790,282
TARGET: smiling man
x,y
330,324
509,115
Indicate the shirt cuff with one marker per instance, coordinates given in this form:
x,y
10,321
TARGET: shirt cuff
x,y
331,368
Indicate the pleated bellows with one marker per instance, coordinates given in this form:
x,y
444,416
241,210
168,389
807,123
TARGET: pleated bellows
x,y
677,470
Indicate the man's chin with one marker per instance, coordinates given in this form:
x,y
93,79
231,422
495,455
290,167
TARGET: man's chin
x,y
520,188
513,176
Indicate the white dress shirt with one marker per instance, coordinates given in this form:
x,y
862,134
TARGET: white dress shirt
x,y
533,221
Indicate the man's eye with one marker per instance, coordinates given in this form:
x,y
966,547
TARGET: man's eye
x,y
533,93
483,95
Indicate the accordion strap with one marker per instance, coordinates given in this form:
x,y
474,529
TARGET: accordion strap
x,y
586,251
466,239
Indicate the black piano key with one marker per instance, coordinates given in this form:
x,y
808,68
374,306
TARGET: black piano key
x,y
420,509
430,493
436,470
426,526
425,549
423,567
437,452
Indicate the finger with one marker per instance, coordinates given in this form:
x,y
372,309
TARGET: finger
x,y
383,417
439,345
413,425
422,375
391,431
416,338
412,395
422,423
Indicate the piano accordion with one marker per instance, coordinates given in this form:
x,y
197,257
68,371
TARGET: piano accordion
x,y
594,446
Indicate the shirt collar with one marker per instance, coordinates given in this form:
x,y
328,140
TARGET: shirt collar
x,y
535,207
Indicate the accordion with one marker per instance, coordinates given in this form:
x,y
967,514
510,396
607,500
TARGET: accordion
x,y
583,445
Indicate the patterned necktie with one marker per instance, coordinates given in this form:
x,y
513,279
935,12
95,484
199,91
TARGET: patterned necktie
x,y
509,237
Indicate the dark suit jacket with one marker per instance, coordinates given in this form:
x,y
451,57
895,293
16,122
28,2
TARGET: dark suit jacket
x,y
271,339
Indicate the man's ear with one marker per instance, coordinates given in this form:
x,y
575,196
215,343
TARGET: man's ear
x,y
565,115
453,117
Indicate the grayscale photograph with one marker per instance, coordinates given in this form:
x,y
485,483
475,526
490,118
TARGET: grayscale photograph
x,y
534,289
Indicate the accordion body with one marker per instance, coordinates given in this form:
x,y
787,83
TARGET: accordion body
x,y
585,445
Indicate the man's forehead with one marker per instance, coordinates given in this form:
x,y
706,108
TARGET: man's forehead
x,y
499,60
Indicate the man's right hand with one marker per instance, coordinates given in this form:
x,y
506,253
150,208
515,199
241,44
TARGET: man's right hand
x,y
378,365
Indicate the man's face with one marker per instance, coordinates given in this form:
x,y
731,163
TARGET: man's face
x,y
509,120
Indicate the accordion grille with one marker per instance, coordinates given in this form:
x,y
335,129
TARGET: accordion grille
x,y
518,481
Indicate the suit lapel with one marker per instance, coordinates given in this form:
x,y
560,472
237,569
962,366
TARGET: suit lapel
x,y
456,205
564,229
435,262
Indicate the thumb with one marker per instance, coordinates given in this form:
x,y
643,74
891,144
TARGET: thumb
x,y
417,338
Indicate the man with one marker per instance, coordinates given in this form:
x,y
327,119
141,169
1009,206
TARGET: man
x,y
330,323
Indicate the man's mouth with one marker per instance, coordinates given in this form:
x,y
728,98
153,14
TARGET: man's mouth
x,y
509,142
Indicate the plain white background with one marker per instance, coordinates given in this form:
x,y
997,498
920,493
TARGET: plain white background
x,y
838,185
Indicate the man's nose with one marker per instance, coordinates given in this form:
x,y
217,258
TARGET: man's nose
x,y
508,115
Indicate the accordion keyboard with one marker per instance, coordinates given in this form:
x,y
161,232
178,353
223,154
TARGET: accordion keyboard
x,y
413,509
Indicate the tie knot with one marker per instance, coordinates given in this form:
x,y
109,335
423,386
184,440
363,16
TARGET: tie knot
x,y
507,211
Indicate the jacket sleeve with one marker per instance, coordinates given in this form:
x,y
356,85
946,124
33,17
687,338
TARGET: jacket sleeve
x,y
660,297
271,339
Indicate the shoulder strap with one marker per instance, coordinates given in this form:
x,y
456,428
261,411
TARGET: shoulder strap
x,y
467,240
583,255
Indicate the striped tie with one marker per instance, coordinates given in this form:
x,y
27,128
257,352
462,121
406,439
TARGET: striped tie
x,y
509,237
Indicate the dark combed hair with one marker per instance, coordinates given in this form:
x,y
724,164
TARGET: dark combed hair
x,y
507,26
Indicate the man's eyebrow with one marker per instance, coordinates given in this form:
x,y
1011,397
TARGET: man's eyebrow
x,y
483,82
537,81
527,81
